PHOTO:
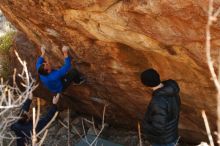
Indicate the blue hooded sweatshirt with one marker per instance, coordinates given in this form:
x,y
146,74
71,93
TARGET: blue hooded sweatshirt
x,y
53,80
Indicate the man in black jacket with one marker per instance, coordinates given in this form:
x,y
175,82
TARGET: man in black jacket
x,y
24,126
160,123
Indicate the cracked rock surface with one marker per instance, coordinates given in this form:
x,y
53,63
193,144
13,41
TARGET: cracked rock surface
x,y
114,41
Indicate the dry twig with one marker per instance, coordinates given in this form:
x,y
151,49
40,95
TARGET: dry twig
x,y
12,97
212,16
207,128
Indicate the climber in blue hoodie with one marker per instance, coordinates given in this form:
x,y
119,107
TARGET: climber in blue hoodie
x,y
58,80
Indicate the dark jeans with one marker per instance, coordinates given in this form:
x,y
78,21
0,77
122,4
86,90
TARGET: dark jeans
x,y
169,144
71,76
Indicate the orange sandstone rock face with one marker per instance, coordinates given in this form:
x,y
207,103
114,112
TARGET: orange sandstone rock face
x,y
114,41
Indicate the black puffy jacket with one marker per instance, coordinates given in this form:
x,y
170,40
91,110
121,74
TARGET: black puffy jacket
x,y
161,119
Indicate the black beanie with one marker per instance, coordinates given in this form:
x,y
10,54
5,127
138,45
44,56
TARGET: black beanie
x,y
150,78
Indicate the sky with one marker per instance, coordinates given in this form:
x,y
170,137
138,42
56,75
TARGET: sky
x,y
4,25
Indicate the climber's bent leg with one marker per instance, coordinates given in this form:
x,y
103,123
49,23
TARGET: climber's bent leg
x,y
72,76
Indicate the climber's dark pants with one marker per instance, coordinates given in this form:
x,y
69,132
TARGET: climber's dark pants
x,y
71,76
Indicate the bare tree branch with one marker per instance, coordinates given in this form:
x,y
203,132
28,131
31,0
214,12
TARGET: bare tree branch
x,y
212,16
97,133
207,128
12,98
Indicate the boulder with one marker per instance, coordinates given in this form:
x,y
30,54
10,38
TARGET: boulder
x,y
113,41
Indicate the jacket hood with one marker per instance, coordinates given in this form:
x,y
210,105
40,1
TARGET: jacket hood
x,y
170,88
